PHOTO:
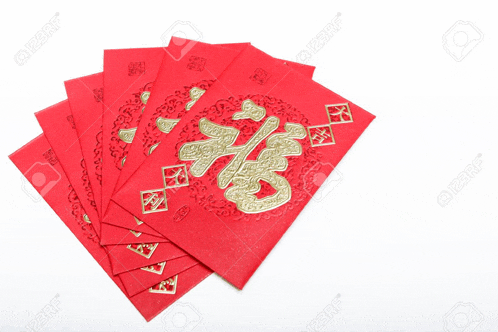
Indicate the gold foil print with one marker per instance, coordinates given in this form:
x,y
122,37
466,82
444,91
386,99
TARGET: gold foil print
x,y
144,97
245,175
153,201
138,221
167,286
250,111
175,176
339,113
152,148
145,249
86,219
155,268
246,181
137,234
321,135
166,125
127,135
195,93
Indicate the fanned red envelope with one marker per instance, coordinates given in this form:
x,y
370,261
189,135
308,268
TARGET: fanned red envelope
x,y
41,169
232,176
178,161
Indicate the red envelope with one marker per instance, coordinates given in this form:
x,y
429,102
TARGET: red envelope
x,y
178,85
235,196
128,78
85,98
43,170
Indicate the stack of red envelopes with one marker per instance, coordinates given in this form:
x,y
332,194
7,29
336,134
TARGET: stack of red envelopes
x,y
179,161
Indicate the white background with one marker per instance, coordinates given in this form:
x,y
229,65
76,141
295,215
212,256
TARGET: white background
x,y
398,259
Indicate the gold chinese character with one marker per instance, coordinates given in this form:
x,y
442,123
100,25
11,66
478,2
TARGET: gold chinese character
x,y
245,175
153,201
175,176
339,113
321,135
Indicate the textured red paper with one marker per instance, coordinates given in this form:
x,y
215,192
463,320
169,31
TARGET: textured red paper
x,y
168,99
112,235
85,100
199,217
33,161
128,78
58,126
85,96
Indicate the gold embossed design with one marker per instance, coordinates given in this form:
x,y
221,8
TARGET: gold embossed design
x,y
155,268
167,286
127,135
195,93
152,148
321,135
153,201
138,221
339,113
166,125
86,218
144,97
272,158
250,111
144,249
137,234
175,176
245,175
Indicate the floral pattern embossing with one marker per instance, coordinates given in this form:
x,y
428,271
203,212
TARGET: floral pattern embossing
x,y
128,118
